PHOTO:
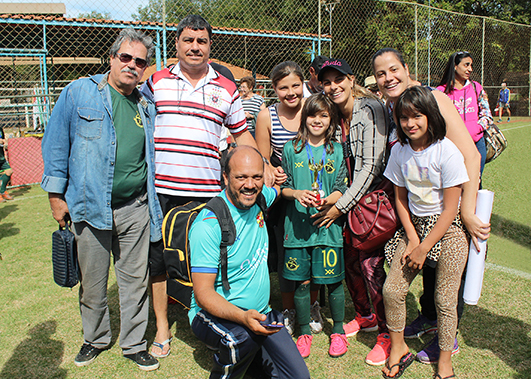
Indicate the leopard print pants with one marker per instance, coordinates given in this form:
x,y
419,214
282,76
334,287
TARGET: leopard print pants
x,y
450,266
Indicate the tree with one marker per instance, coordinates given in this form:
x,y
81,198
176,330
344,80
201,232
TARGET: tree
x,y
283,15
518,11
96,15
257,53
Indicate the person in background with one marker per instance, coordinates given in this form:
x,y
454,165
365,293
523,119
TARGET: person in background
x,y
98,158
469,98
503,102
314,85
5,169
252,103
371,85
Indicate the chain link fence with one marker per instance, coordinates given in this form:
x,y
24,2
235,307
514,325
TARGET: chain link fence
x,y
428,36
40,54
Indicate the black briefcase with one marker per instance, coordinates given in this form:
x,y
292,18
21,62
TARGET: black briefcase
x,y
64,258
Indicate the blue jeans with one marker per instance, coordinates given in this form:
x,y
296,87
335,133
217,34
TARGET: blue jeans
x,y
239,348
482,148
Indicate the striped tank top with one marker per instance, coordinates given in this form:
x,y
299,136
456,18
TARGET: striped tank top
x,y
279,134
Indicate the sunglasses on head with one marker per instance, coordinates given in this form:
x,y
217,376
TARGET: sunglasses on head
x,y
462,53
126,58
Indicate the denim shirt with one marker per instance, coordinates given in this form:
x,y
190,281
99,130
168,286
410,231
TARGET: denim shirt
x,y
79,152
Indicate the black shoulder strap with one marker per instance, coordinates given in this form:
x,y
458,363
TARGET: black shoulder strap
x,y
261,202
228,233
477,95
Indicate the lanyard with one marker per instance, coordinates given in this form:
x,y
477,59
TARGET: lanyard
x,y
309,153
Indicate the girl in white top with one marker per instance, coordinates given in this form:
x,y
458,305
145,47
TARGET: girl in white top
x,y
427,170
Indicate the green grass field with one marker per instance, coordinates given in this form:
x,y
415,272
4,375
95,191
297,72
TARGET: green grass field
x,y
40,326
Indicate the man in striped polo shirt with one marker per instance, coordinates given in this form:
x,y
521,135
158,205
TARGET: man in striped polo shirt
x,y
193,102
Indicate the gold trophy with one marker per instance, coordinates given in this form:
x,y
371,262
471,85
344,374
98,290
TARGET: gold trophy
x,y
315,168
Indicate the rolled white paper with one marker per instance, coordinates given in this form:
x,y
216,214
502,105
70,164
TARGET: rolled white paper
x,y
476,259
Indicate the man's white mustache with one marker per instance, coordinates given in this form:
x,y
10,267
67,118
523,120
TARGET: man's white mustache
x,y
130,71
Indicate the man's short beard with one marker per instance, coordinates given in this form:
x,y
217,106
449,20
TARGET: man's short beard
x,y
234,199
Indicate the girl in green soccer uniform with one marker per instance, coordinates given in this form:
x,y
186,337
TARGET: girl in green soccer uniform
x,y
316,175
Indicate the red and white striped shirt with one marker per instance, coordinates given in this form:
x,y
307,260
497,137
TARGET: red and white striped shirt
x,y
188,128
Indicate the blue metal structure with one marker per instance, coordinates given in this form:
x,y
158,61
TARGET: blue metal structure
x,y
157,30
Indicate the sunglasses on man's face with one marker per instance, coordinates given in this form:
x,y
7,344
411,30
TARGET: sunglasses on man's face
x,y
126,58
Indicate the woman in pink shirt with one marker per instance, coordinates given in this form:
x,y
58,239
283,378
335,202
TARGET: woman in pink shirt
x,y
468,97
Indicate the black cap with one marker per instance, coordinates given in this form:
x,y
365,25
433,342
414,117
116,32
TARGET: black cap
x,y
318,62
340,65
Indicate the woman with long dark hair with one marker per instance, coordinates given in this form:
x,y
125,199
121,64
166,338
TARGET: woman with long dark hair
x,y
469,98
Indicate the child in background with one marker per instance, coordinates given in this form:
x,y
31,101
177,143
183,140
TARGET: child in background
x,y
316,175
427,170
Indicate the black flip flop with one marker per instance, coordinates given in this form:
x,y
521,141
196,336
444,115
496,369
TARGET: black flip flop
x,y
437,376
404,363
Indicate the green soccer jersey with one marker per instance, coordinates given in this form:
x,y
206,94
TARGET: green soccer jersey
x,y
130,168
299,230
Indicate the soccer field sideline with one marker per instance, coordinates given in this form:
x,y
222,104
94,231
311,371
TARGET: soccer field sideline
x,y
515,127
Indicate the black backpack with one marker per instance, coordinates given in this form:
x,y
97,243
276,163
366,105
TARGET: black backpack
x,y
175,229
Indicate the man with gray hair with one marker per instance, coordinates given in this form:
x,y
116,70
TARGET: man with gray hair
x,y
98,157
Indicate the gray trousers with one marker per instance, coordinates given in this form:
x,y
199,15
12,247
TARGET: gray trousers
x,y
129,243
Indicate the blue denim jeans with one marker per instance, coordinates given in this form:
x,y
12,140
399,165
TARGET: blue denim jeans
x,y
482,148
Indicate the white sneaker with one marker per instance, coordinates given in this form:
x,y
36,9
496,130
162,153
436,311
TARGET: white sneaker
x,y
289,320
316,320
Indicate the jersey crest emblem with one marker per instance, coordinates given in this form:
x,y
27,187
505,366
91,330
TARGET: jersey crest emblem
x,y
215,97
138,120
260,219
329,166
292,264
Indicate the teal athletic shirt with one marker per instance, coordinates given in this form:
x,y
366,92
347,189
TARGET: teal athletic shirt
x,y
247,258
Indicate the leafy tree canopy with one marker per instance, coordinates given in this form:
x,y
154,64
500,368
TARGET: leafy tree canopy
x,y
508,10
96,15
